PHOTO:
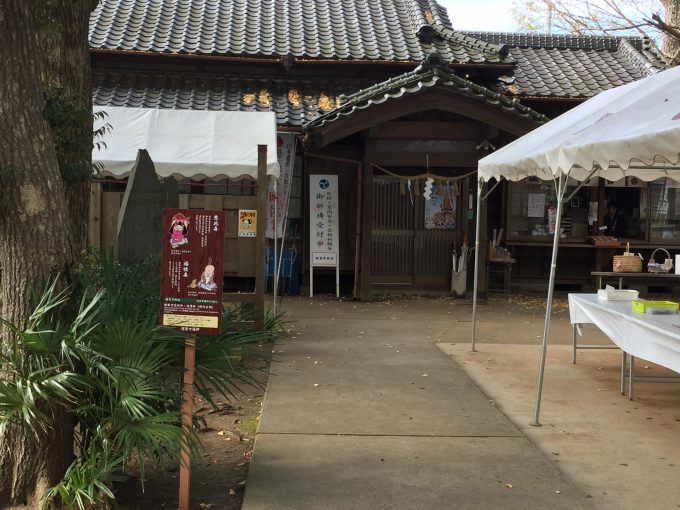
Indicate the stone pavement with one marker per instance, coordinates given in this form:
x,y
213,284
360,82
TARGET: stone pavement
x,y
363,411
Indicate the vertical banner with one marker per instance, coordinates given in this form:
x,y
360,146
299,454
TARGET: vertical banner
x,y
191,271
324,241
285,143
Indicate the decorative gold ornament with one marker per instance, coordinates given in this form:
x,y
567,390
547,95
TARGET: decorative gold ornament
x,y
513,89
324,102
248,98
294,97
263,98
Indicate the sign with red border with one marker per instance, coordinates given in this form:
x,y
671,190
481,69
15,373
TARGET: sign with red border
x,y
191,273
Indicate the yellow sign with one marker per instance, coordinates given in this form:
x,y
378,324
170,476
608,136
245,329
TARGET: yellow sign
x,y
190,321
247,223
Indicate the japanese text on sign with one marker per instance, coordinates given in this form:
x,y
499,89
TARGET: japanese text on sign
x,y
323,220
191,278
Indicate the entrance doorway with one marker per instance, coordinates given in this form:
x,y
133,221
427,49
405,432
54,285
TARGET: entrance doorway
x,y
404,251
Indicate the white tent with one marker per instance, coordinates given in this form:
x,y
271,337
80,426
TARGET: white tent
x,y
187,143
632,130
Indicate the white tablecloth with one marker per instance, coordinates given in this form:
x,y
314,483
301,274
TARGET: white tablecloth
x,y
655,338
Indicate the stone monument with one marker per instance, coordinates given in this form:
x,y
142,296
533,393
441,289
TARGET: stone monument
x,y
141,214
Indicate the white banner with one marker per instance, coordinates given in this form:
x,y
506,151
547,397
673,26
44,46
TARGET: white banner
x,y
285,152
324,243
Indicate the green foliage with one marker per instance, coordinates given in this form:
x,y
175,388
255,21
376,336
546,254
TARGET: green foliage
x,y
116,371
87,482
70,124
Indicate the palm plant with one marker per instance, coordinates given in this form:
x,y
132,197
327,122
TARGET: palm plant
x,y
116,370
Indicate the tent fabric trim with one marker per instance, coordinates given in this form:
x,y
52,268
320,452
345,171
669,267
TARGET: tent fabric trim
x,y
185,143
632,130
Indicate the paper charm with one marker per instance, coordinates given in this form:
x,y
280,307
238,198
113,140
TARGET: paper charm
x,y
410,191
428,188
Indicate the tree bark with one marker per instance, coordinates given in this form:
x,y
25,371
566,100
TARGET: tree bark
x,y
35,239
64,44
671,41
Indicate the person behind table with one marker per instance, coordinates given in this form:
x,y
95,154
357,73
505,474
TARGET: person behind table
x,y
614,222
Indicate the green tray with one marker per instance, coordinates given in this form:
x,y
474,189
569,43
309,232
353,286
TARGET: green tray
x,y
641,306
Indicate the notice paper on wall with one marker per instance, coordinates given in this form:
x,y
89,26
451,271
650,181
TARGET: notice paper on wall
x,y
536,205
552,220
592,213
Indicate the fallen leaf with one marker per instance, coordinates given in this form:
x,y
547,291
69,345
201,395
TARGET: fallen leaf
x,y
557,492
232,492
316,384
220,433
508,485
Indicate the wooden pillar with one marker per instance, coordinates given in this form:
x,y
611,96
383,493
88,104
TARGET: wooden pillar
x,y
261,240
367,220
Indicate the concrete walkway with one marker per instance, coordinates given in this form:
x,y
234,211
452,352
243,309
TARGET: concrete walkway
x,y
363,411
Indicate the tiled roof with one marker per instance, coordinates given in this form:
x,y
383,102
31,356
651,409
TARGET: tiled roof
x,y
295,102
572,66
391,30
562,41
431,73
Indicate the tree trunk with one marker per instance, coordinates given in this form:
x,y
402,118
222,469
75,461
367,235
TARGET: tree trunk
x,y
64,43
35,238
671,43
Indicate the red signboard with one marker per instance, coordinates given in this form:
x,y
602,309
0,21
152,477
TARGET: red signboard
x,y
191,278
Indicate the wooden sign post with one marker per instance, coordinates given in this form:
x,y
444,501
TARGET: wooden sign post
x,y
187,419
191,300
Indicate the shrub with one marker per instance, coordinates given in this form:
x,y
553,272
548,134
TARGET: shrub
x,y
116,371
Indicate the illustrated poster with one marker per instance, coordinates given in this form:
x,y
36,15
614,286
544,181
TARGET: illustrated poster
x,y
191,271
247,223
323,220
440,210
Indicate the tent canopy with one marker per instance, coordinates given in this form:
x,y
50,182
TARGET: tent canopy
x,y
632,130
187,143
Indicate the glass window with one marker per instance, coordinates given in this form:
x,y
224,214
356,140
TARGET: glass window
x,y
533,208
624,211
665,211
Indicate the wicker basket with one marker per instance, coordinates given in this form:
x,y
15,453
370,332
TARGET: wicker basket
x,y
627,264
664,267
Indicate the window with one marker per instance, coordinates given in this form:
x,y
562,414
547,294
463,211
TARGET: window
x,y
533,209
625,206
664,211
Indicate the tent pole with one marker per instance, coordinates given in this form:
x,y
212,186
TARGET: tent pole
x,y
476,270
561,187
275,273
